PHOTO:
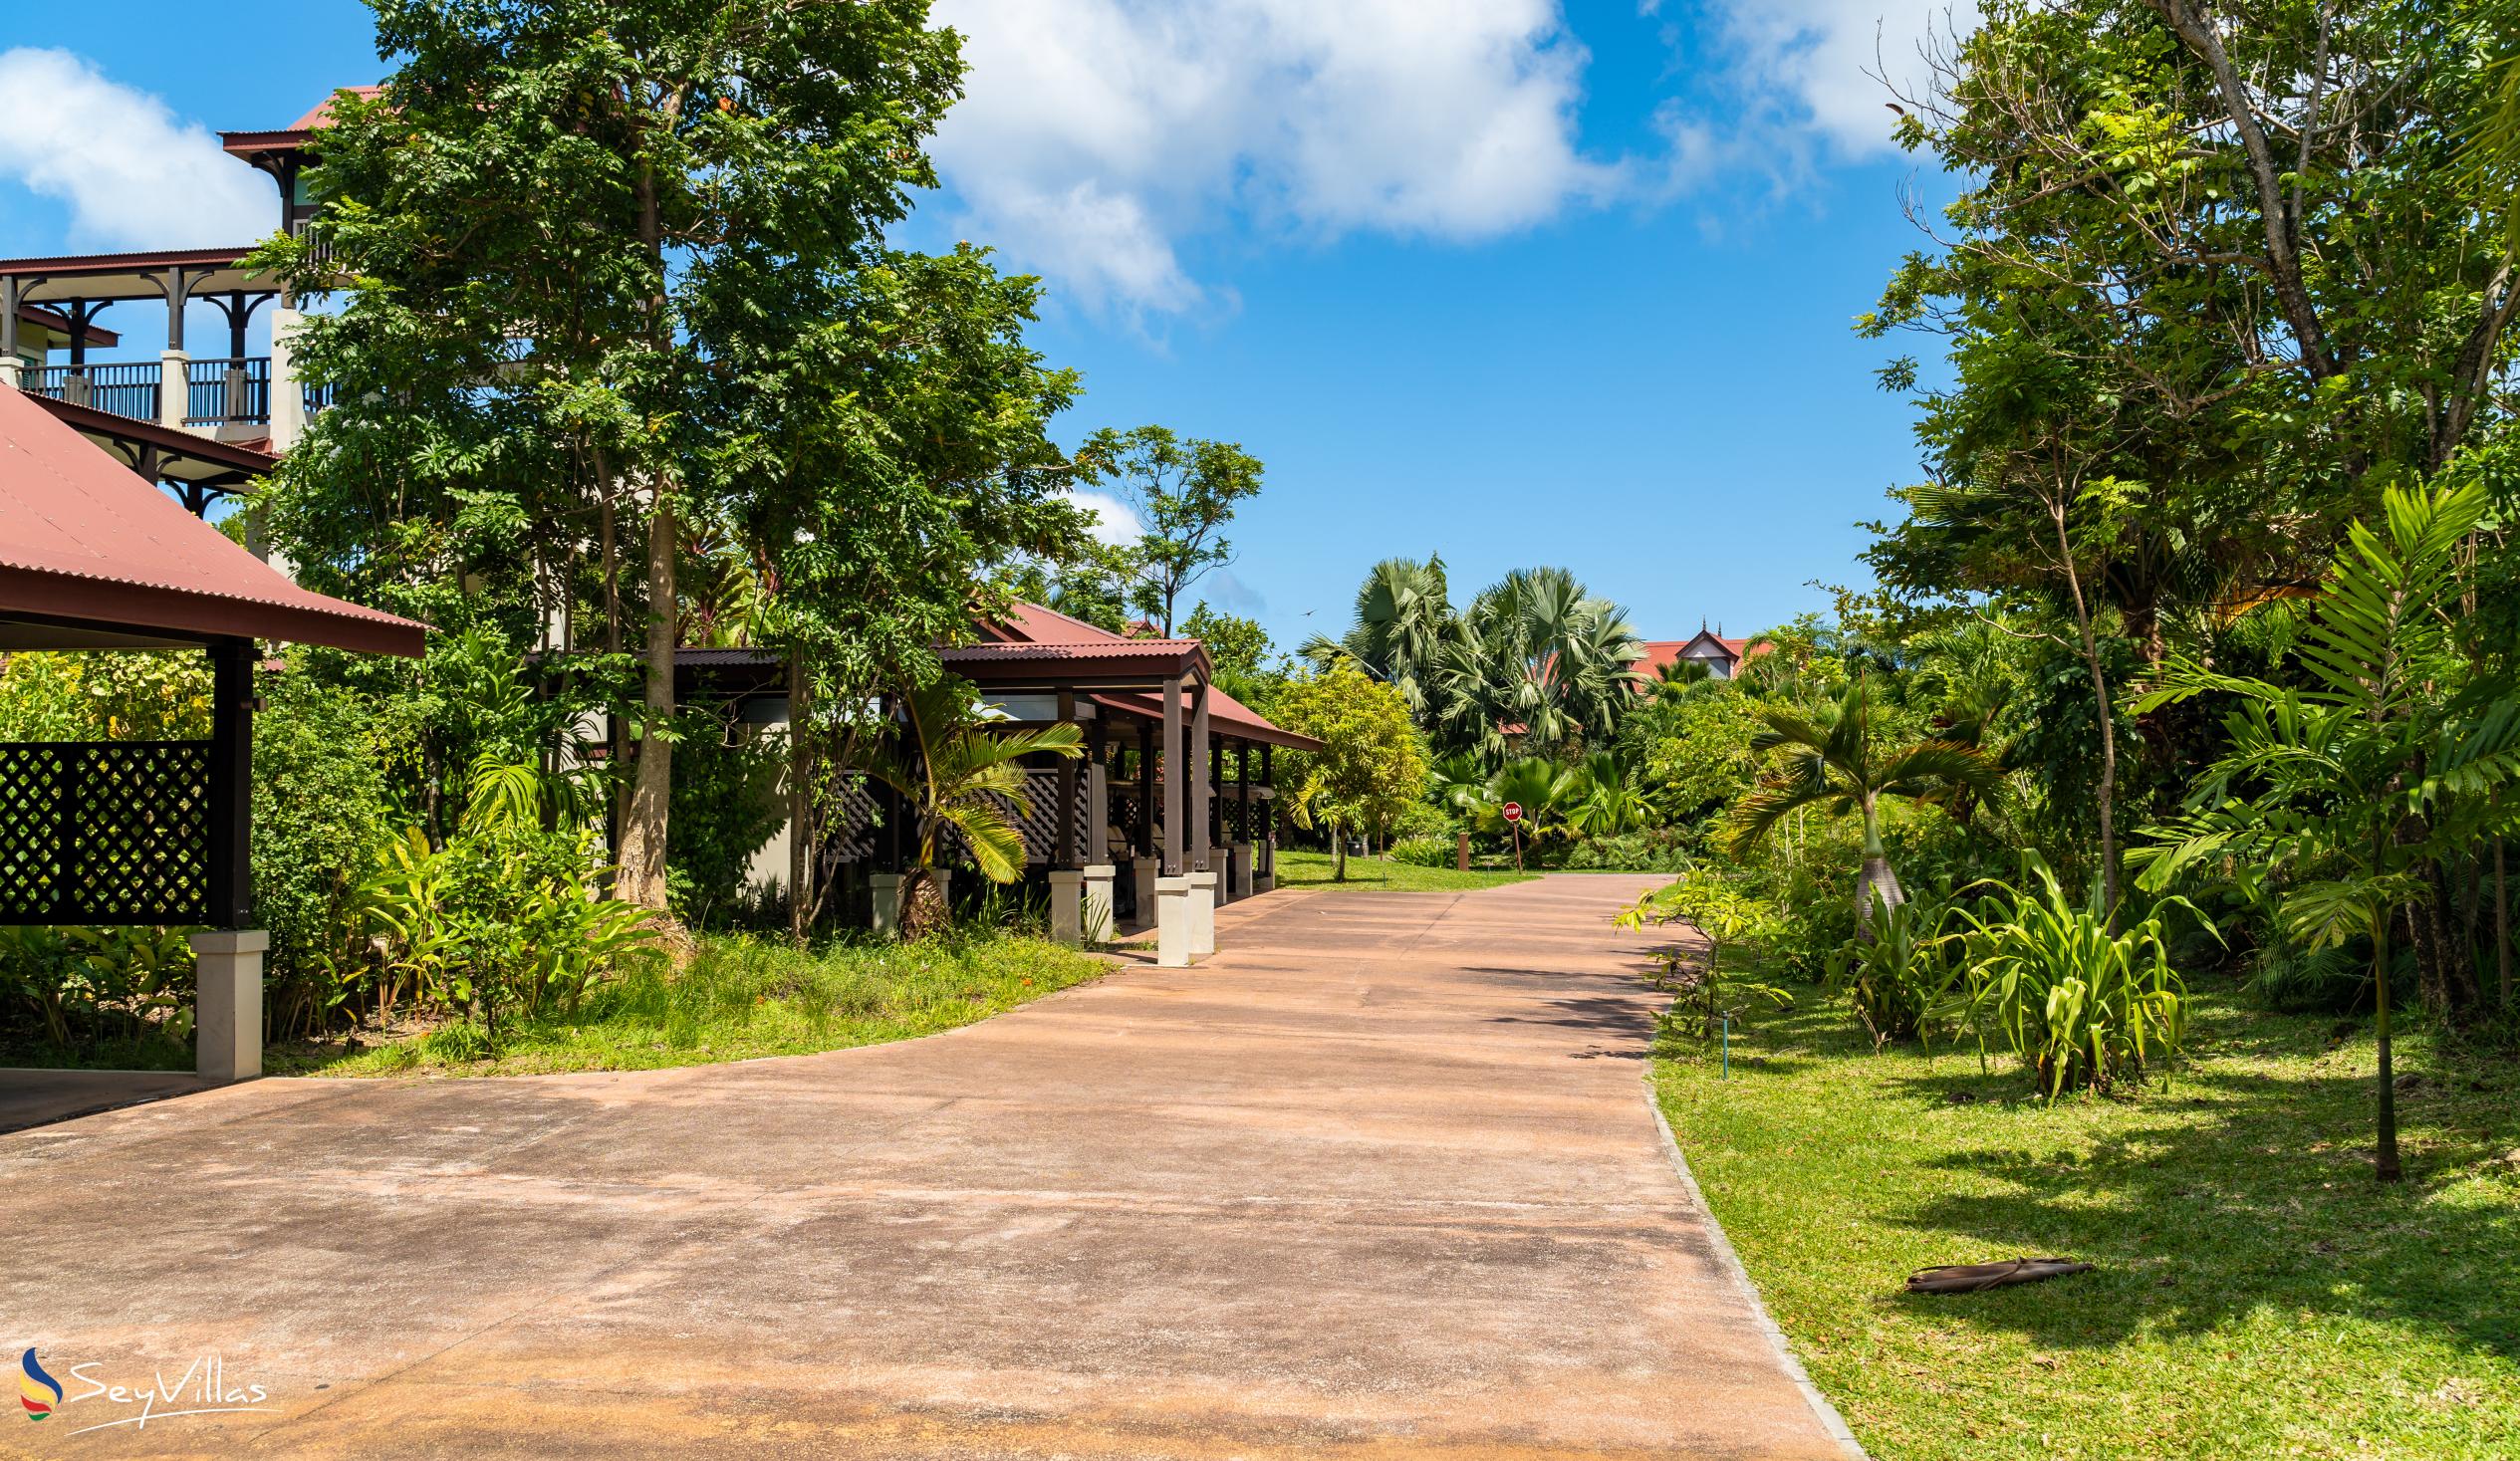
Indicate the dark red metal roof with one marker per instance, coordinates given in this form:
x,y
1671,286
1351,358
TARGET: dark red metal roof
x,y
1031,631
296,134
85,543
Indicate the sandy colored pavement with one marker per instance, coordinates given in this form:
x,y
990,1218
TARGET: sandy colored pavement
x,y
1380,1180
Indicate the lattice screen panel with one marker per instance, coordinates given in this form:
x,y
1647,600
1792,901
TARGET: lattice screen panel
x,y
107,832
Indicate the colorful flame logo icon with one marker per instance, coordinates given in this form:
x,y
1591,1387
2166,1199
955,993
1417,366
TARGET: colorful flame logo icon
x,y
37,1392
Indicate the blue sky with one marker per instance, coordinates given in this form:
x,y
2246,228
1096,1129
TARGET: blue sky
x,y
1520,282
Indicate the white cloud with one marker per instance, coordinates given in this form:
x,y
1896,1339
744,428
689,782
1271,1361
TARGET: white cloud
x,y
1114,521
1098,135
134,174
1815,65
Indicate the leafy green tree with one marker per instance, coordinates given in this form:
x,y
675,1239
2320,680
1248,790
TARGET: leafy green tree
x,y
1184,490
959,777
616,266
1372,767
1837,758
2349,787
1248,667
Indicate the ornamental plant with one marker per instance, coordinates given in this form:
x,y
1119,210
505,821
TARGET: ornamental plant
x,y
2081,1005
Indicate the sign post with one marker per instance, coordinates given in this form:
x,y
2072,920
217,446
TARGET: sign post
x,y
1514,824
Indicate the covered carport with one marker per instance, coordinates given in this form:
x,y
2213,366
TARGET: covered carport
x,y
93,558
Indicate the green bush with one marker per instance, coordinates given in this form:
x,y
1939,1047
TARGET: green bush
x,y
1426,851
2081,1006
94,990
1895,981
320,816
504,917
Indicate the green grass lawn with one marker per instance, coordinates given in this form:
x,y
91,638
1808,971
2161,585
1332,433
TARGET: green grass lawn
x,y
2257,1294
1298,868
740,998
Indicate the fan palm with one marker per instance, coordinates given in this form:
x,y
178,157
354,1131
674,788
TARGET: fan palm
x,y
1404,619
956,776
2349,787
1538,659
1834,757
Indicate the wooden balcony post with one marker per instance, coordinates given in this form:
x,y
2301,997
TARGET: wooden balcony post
x,y
231,810
1176,768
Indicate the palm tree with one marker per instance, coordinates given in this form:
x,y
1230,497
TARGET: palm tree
x,y
1543,789
1536,661
1404,619
1607,804
1833,757
962,778
2346,790
1678,680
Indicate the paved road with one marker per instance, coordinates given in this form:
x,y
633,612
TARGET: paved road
x,y
1380,1181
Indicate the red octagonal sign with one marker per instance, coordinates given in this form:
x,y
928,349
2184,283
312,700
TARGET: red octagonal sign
x,y
1513,811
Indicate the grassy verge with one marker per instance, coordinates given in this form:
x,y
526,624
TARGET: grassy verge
x,y
2257,1294
1297,869
740,998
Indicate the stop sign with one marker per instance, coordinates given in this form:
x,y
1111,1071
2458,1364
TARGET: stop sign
x,y
1513,811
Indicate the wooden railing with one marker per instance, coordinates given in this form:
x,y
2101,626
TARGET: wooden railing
x,y
124,389
228,393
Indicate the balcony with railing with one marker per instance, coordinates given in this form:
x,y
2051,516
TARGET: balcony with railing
x,y
218,394
122,388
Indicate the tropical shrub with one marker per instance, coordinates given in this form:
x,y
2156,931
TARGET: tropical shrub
x,y
83,987
320,816
504,916
1731,920
1895,979
1426,852
2080,1004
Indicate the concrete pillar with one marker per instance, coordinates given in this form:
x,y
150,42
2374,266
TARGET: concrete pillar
x,y
1203,913
888,904
288,397
1172,922
227,1010
1100,925
11,370
1141,873
1238,861
1067,906
174,388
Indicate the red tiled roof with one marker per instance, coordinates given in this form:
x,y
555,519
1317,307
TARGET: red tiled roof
x,y
296,134
1049,634
321,114
1661,653
84,539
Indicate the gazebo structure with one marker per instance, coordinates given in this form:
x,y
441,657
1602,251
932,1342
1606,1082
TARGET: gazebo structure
x,y
95,557
1117,838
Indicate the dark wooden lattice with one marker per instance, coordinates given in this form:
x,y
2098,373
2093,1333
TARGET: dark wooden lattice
x,y
104,831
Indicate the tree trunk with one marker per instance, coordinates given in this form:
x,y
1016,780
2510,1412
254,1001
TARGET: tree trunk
x,y
1339,840
643,828
924,910
1879,882
2385,1167
2502,928
2107,716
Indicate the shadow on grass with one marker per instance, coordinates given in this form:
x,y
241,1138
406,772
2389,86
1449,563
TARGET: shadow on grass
x,y
2243,1188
